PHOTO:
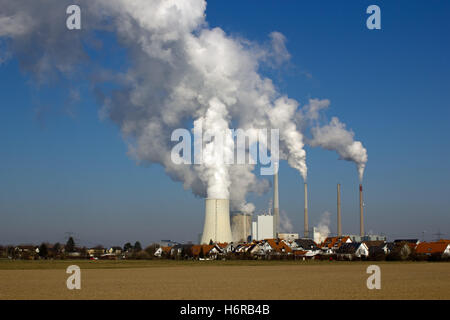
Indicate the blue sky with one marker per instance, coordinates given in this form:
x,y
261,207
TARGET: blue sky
x,y
65,170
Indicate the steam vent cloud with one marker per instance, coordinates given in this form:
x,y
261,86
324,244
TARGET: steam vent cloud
x,y
178,71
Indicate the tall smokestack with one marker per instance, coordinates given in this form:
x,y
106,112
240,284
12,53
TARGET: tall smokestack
x,y
339,225
276,209
361,213
306,227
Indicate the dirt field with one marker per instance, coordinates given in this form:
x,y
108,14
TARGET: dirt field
x,y
223,280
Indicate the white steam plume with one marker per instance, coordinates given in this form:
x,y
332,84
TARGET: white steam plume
x,y
214,171
178,71
285,222
334,136
323,228
280,117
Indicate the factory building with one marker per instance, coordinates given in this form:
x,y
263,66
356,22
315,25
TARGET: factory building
x,y
288,236
218,229
318,237
263,228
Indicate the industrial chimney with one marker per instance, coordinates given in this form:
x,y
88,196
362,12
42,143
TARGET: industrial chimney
x,y
306,227
339,225
361,213
276,209
217,221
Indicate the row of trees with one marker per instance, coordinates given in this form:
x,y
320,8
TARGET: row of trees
x,y
70,250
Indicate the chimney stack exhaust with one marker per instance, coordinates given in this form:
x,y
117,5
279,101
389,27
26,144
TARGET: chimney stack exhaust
x,y
276,209
306,227
361,212
339,225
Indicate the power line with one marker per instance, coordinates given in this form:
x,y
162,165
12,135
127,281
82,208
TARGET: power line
x,y
439,235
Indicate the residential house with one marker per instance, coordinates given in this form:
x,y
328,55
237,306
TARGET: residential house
x,y
375,248
352,250
207,252
331,244
388,247
242,248
163,251
181,250
26,251
27,248
273,246
306,244
226,247
115,250
305,254
399,250
95,252
441,248
256,249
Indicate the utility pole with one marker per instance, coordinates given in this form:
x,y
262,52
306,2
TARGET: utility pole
x,y
439,235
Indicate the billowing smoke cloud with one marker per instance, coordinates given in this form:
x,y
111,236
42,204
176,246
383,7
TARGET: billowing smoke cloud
x,y
214,171
323,228
335,136
280,117
280,53
178,72
207,77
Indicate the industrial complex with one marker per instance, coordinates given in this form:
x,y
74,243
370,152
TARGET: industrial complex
x,y
245,228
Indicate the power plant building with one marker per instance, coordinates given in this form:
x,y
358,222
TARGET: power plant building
x,y
288,236
241,227
263,228
318,237
217,221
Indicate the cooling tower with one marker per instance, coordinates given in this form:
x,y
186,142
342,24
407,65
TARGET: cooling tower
x,y
306,232
339,225
217,221
276,209
361,212
241,227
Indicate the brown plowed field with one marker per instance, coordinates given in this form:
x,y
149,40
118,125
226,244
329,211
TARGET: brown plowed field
x,y
223,280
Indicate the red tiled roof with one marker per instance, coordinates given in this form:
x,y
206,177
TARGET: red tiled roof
x,y
431,247
278,246
331,242
205,248
284,246
272,243
166,249
196,250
